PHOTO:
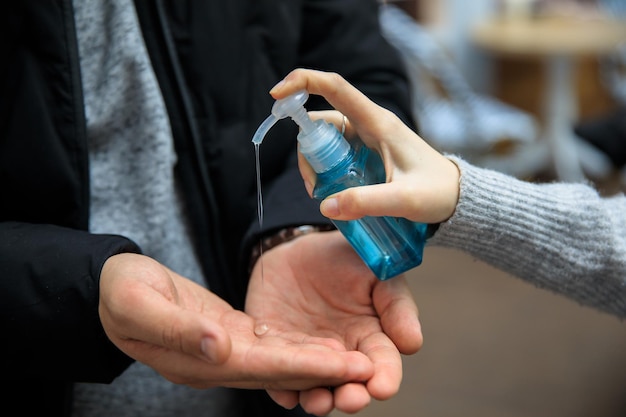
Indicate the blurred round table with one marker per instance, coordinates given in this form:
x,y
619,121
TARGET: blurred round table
x,y
558,40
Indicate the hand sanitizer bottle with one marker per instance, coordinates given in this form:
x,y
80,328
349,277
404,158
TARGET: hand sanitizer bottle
x,y
388,245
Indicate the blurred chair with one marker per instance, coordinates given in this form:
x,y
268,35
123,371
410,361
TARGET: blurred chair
x,y
450,114
604,138
613,66
613,70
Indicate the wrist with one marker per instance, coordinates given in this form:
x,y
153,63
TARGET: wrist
x,y
283,236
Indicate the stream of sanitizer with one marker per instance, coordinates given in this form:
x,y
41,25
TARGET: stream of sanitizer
x,y
261,328
259,196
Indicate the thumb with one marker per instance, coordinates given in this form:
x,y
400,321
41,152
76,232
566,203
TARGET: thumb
x,y
200,337
186,331
181,331
398,314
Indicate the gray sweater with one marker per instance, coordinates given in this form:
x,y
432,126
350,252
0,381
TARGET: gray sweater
x,y
562,237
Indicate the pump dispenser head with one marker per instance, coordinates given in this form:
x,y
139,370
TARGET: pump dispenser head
x,y
320,143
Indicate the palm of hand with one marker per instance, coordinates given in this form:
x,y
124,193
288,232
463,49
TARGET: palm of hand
x,y
315,289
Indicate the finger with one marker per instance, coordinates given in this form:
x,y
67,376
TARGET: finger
x,y
341,123
277,361
280,367
284,398
336,90
387,363
352,397
372,200
337,118
317,401
333,87
398,313
176,367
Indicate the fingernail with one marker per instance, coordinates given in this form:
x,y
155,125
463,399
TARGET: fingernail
x,y
277,86
308,186
330,207
207,345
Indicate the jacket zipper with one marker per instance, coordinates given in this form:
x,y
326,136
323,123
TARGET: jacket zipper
x,y
81,158
208,194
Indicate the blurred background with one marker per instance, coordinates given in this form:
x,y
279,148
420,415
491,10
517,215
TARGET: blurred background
x,y
536,89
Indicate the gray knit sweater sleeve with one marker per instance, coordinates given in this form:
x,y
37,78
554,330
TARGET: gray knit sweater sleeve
x,y
562,237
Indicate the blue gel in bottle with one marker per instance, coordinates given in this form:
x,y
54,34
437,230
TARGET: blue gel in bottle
x,y
389,246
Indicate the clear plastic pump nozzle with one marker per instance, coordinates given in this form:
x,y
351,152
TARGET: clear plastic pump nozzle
x,y
320,143
291,106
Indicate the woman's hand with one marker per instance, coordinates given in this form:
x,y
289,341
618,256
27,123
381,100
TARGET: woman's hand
x,y
422,185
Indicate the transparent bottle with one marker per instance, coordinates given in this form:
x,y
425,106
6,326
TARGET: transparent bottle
x,y
389,246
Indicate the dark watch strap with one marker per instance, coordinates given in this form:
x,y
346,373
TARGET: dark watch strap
x,y
283,236
290,233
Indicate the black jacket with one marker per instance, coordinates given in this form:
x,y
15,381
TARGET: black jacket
x,y
215,62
